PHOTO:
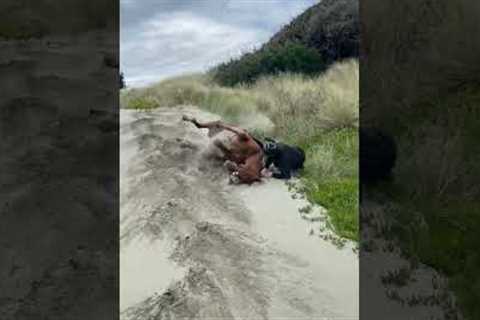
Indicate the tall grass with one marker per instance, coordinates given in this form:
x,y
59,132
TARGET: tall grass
x,y
320,114
410,60
441,151
417,70
299,107
302,107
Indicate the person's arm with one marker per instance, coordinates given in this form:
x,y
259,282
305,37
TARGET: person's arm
x,y
284,173
269,161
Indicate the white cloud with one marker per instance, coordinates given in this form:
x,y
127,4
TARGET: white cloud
x,y
184,41
170,41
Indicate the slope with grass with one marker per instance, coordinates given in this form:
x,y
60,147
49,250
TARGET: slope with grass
x,y
436,219
431,69
320,114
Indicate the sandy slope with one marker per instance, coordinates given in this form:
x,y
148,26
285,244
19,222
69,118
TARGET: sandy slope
x,y
195,247
58,177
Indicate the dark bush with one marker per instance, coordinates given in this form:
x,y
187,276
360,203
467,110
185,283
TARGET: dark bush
x,y
378,153
290,57
122,81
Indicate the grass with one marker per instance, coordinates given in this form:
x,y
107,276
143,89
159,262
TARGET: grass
x,y
440,149
413,85
331,178
318,113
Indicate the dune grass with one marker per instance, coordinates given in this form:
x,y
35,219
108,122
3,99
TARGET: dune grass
x,y
331,178
441,150
420,82
318,113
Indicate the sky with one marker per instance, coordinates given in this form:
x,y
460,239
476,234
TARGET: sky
x,y
164,38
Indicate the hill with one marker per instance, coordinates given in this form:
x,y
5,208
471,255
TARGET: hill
x,y
331,27
325,33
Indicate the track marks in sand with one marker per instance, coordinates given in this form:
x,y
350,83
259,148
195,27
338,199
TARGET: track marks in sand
x,y
174,195
225,278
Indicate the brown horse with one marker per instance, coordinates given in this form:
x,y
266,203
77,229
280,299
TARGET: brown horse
x,y
243,156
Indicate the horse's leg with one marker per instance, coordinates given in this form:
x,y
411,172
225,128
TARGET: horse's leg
x,y
231,166
217,126
214,127
201,125
227,153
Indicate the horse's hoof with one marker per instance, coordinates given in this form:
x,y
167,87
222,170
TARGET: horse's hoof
x,y
234,179
187,118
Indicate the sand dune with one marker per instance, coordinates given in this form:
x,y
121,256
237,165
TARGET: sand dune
x,y
195,247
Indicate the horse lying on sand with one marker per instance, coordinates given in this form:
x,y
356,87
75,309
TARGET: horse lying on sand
x,y
248,159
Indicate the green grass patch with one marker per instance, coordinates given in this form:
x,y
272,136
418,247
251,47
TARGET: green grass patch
x,y
331,178
143,103
341,199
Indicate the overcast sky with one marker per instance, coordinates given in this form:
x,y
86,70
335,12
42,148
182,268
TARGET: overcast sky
x,y
163,38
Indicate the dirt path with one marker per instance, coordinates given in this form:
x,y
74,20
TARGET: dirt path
x,y
195,247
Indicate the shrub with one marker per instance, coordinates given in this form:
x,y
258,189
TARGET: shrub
x,y
291,57
143,103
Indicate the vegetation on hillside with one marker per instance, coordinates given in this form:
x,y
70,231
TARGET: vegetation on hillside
x,y
435,191
291,57
324,34
318,113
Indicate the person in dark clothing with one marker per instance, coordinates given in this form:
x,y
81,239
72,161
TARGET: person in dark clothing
x,y
282,159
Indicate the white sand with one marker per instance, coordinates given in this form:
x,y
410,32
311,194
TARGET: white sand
x,y
334,271
145,270
183,228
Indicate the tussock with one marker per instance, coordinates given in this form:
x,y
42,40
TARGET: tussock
x,y
298,107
